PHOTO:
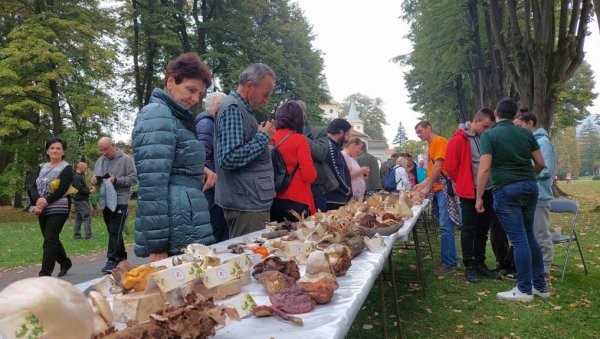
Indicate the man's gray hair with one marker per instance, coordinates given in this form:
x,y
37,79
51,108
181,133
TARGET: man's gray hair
x,y
256,73
211,98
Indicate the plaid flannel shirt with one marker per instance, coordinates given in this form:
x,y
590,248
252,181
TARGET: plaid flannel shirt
x,y
232,152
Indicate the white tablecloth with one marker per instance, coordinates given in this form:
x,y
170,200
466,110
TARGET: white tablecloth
x,y
332,320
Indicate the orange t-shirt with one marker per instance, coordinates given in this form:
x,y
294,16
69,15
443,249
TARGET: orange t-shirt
x,y
436,150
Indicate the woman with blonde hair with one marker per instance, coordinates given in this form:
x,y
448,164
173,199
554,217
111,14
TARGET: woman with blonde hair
x,y
358,174
401,174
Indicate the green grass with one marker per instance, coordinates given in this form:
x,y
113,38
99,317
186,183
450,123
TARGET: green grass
x,y
450,308
21,240
453,309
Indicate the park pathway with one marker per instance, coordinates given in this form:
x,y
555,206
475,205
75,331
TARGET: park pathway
x,y
85,268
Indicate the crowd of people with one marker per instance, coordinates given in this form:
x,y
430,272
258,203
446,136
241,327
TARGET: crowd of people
x,y
206,178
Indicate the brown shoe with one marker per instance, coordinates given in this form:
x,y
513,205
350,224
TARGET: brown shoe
x,y
443,270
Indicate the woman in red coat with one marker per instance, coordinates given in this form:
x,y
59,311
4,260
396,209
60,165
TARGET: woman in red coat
x,y
289,122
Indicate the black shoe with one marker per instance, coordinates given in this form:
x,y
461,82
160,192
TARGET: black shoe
x,y
77,237
484,271
109,267
90,237
471,275
65,268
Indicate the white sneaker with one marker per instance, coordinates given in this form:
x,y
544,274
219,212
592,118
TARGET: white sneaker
x,y
515,295
540,294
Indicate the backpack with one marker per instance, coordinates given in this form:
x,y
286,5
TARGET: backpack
x,y
390,183
280,173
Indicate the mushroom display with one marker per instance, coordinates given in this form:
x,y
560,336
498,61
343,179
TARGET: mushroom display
x,y
44,307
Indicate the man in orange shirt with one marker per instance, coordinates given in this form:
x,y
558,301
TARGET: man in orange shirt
x,y
434,182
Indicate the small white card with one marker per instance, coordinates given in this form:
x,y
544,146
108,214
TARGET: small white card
x,y
244,304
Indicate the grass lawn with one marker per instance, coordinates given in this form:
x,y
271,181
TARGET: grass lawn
x,y
21,240
450,308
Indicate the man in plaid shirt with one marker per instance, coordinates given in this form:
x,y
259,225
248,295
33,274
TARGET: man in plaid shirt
x,y
245,185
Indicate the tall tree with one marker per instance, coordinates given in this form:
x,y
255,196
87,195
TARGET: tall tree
x,y
589,143
56,65
567,151
400,137
370,112
541,45
575,96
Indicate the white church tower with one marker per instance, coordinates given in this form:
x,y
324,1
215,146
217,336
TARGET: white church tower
x,y
354,120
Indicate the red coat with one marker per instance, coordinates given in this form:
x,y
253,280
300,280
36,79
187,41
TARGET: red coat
x,y
458,164
295,150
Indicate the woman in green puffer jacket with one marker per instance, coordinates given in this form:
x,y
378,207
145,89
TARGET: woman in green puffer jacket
x,y
172,211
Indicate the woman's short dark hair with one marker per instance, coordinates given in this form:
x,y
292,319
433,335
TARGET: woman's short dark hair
x,y
289,115
527,117
188,66
54,140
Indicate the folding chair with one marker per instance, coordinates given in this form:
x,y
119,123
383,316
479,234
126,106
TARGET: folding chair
x,y
567,206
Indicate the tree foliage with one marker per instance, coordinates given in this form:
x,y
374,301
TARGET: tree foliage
x,y
574,98
400,137
468,54
56,65
229,35
589,142
369,111
414,147
78,69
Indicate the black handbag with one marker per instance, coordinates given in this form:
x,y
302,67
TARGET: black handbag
x,y
449,186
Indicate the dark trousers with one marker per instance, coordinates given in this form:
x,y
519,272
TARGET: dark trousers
x,y
115,221
320,198
217,218
82,216
502,250
54,252
281,208
473,236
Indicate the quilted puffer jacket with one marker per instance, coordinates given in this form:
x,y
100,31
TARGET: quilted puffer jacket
x,y
172,211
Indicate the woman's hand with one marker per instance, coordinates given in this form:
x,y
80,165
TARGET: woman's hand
x,y
158,256
41,203
210,178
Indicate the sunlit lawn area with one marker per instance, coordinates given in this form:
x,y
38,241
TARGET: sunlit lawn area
x,y
452,308
449,308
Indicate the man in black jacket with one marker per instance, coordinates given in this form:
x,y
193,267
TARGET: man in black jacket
x,y
82,203
337,131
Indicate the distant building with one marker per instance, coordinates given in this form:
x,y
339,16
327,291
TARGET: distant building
x,y
331,110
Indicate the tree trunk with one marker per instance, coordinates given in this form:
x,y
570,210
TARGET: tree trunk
x,y
135,52
463,113
180,18
57,126
597,9
498,78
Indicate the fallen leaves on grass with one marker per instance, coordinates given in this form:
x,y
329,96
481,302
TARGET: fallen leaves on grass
x,y
478,322
501,317
429,310
367,327
457,311
484,293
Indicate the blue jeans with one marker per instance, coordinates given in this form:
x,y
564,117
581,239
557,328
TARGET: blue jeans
x,y
514,205
449,256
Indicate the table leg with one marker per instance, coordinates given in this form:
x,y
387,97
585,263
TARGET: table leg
x,y
419,256
383,306
396,308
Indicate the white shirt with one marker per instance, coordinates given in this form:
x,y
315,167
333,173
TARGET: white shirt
x,y
402,179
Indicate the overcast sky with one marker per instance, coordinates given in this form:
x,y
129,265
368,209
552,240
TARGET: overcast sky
x,y
358,40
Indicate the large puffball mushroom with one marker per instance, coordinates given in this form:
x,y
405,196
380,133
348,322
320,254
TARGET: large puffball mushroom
x,y
57,308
